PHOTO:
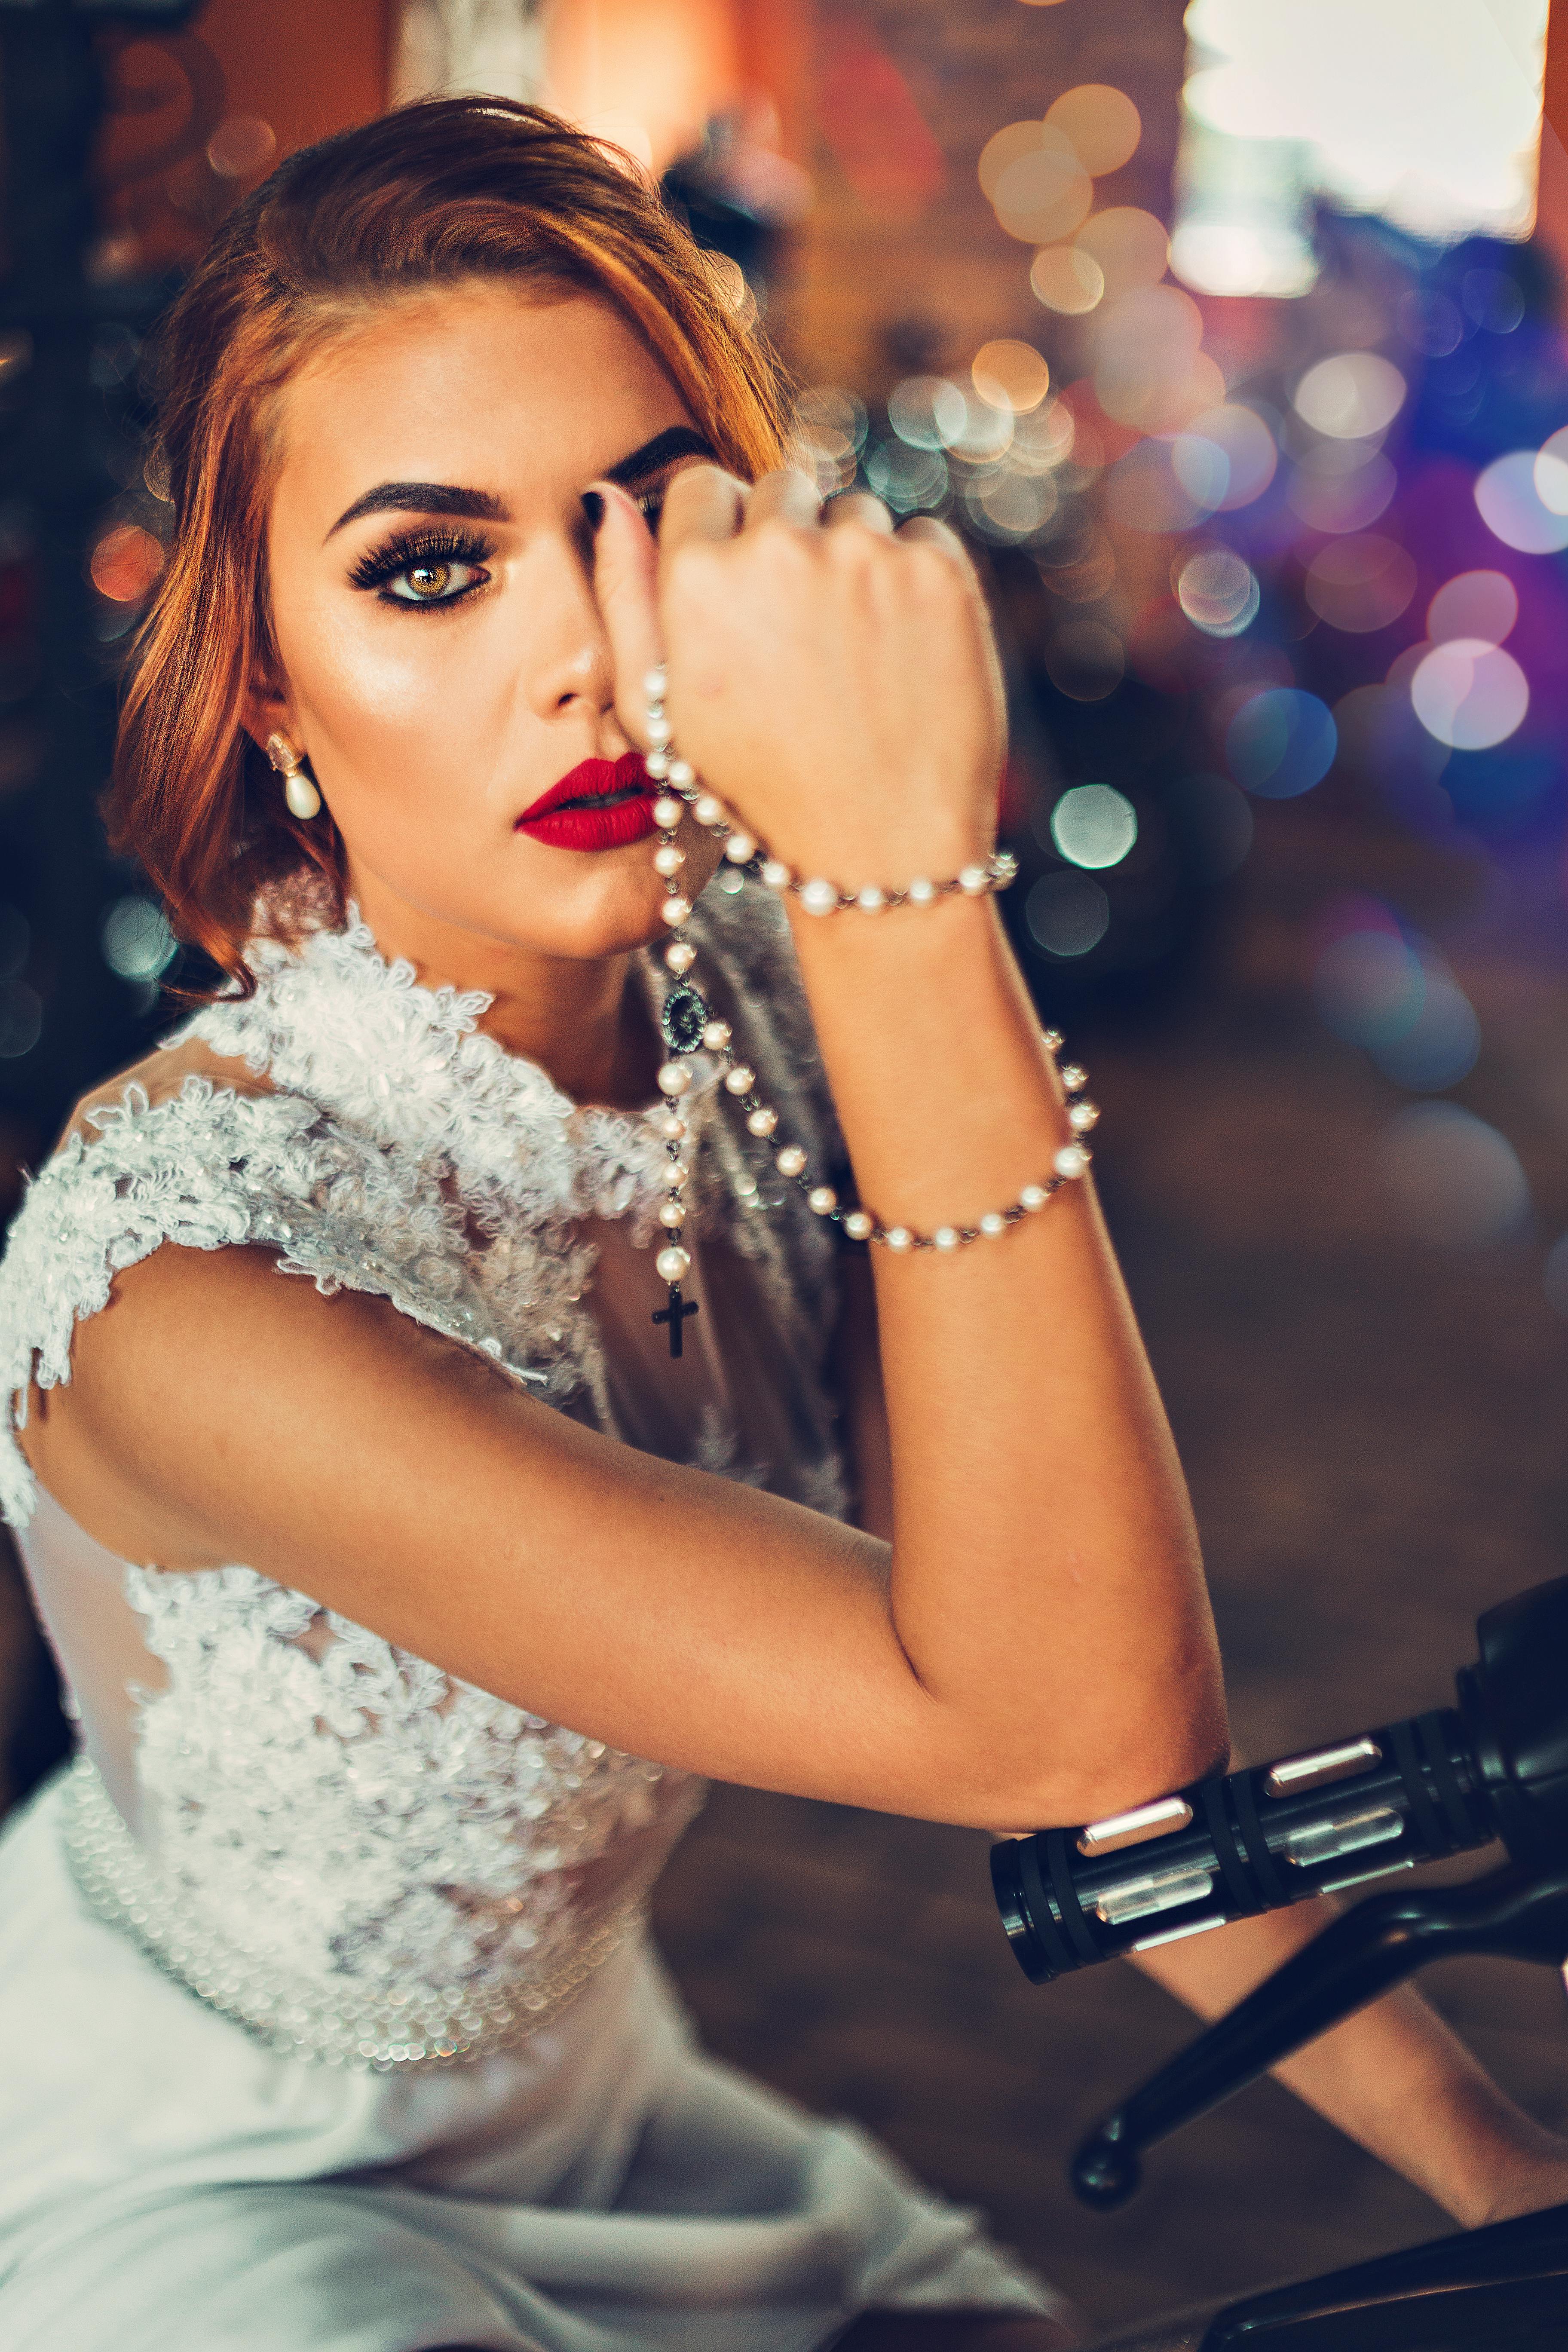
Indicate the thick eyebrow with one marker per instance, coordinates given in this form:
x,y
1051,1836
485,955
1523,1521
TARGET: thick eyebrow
x,y
423,497
482,506
675,441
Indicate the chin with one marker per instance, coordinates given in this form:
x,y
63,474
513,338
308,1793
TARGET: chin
x,y
605,913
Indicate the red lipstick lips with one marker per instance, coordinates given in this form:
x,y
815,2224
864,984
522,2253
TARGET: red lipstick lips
x,y
598,804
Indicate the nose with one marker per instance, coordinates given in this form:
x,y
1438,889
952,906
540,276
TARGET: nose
x,y
571,674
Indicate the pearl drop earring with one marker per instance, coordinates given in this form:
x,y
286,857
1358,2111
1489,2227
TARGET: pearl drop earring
x,y
305,801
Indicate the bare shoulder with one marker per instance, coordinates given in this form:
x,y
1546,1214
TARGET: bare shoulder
x,y
159,1075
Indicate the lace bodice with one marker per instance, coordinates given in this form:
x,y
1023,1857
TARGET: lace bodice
x,y
352,1852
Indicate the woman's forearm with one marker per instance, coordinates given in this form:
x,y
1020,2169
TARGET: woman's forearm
x,y
1393,2077
1046,1571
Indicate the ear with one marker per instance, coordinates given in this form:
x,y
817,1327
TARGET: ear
x,y
267,710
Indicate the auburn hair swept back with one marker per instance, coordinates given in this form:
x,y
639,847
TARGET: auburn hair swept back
x,y
435,193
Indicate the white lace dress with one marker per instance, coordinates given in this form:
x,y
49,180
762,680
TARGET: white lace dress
x,y
331,2019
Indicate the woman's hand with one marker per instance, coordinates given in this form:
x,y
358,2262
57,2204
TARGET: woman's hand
x,y
836,683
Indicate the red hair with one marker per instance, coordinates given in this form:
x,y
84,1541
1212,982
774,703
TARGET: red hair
x,y
438,192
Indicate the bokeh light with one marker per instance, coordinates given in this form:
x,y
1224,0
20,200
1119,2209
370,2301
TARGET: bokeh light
x,y
1425,111
1389,990
907,479
1144,493
21,1020
1492,298
1067,914
1239,436
137,941
1102,124
1281,742
1351,395
985,434
1067,279
1005,146
927,411
1341,486
1219,592
1094,825
1369,986
1086,661
1551,472
1483,604
242,147
1441,1045
1512,509
827,434
1360,583
125,563
1042,439
1011,506
1011,375
1150,370
1469,694
1128,247
1043,192
1456,1180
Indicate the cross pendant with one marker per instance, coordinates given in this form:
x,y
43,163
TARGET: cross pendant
x,y
675,1315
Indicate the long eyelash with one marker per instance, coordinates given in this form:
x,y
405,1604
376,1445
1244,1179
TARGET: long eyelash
x,y
408,547
652,505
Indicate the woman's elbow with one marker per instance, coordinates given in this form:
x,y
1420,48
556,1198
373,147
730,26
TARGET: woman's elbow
x,y
1130,1764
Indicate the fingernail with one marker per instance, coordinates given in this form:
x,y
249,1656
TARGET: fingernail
x,y
594,507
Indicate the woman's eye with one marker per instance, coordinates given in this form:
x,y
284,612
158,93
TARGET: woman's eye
x,y
439,583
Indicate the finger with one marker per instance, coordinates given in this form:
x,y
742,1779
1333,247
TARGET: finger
x,y
787,496
702,503
857,506
929,532
626,572
924,530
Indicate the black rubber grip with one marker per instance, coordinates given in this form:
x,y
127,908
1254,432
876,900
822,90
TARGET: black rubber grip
x,y
1042,1911
1450,1796
1238,1887
1265,1877
1068,1903
1428,1820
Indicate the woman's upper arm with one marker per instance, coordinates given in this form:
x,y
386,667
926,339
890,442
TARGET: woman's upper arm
x,y
220,1412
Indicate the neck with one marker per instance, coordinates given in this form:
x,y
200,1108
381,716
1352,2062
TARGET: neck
x,y
578,1019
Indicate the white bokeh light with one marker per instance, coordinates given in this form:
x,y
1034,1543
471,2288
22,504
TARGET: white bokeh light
x,y
1509,497
1425,111
1351,395
1094,825
1470,695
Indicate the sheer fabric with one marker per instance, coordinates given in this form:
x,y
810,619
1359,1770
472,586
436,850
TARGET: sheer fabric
x,y
386,1877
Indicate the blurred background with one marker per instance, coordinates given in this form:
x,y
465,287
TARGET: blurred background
x,y
1235,346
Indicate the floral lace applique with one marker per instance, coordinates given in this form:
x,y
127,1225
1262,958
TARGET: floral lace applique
x,y
349,1852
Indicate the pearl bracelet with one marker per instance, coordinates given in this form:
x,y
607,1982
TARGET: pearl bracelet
x,y
688,1023
742,847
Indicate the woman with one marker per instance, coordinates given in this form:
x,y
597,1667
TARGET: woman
x,y
341,2029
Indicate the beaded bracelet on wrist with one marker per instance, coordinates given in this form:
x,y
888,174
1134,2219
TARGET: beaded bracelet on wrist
x,y
687,1026
742,846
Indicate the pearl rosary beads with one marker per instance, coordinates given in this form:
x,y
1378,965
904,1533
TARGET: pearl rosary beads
x,y
687,1025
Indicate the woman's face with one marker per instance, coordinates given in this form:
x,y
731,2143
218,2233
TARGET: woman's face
x,y
443,664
